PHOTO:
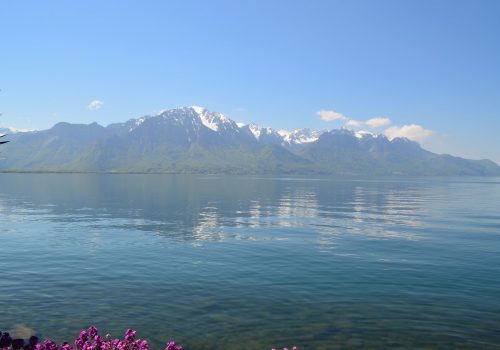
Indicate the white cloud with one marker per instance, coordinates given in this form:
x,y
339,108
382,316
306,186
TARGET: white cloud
x,y
354,123
377,122
16,130
95,104
413,132
330,116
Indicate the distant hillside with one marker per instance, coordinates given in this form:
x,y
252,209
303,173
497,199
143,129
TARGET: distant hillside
x,y
194,140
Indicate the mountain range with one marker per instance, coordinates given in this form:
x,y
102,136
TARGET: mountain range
x,y
195,140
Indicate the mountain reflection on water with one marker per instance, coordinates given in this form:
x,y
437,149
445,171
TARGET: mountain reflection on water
x,y
192,208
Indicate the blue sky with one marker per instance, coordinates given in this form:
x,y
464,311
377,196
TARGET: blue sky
x,y
430,65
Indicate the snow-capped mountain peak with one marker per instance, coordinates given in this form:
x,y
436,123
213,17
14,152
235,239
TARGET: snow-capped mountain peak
x,y
199,110
193,139
261,131
194,119
299,136
213,121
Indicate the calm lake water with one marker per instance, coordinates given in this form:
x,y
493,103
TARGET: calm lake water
x,y
247,262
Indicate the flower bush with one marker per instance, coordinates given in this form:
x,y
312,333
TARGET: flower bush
x,y
87,340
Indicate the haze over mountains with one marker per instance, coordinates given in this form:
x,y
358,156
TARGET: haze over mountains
x,y
194,140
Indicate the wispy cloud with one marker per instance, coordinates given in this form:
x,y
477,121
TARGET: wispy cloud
x,y
95,104
16,130
413,132
330,116
354,123
378,122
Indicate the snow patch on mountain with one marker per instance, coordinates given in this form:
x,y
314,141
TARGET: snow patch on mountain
x,y
135,123
299,136
213,121
255,129
360,134
260,131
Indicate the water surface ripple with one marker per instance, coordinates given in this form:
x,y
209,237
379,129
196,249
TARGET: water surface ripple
x,y
248,262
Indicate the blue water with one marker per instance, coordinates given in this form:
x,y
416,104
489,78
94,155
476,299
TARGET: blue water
x,y
248,262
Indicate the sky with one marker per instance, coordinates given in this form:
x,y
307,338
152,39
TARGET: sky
x,y
426,69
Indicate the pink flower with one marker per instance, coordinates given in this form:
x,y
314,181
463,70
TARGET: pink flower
x,y
92,331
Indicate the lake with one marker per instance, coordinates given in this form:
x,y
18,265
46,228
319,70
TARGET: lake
x,y
228,262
